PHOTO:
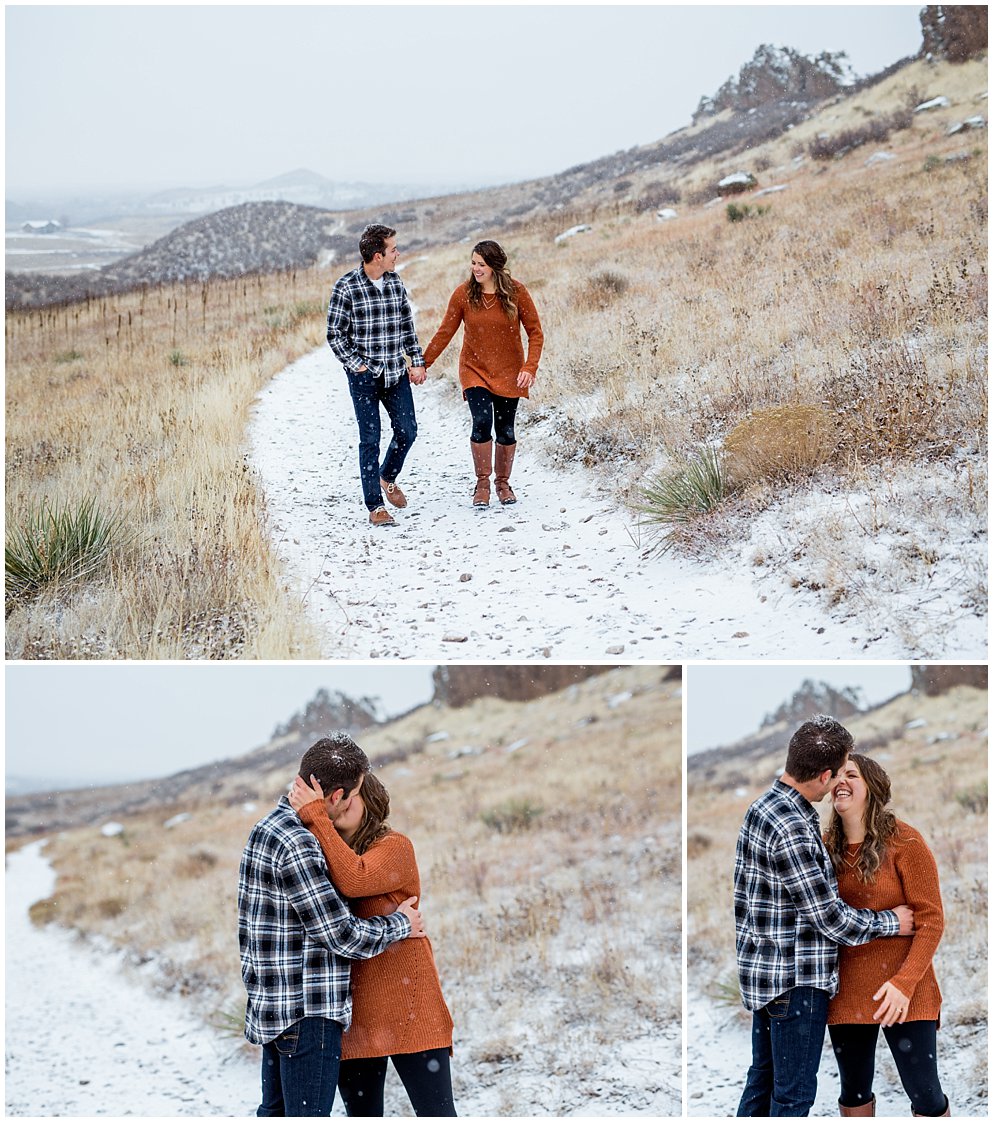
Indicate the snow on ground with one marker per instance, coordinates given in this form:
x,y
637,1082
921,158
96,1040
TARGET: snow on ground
x,y
562,574
718,1052
84,1037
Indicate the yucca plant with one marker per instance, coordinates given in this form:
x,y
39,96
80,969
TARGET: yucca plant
x,y
56,543
682,494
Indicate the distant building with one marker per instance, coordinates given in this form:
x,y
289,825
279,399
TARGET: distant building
x,y
49,226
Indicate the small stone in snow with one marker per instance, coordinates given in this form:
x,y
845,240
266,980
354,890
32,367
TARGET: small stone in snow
x,y
465,577
561,510
507,530
618,650
546,652
455,638
740,635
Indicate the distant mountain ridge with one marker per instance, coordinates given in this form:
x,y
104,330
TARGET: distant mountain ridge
x,y
774,92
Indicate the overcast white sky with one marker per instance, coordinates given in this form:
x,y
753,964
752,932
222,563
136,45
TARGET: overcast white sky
x,y
190,95
97,722
725,703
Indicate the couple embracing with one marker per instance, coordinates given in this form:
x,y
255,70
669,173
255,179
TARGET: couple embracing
x,y
835,931
371,331
340,976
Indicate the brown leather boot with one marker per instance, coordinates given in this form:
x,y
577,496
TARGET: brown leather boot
x,y
946,1113
503,462
868,1110
482,461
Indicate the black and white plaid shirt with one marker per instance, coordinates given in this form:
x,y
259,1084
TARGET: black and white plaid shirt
x,y
370,328
788,917
295,932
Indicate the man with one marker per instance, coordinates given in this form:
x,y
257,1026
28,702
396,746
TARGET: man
x,y
296,935
789,921
371,330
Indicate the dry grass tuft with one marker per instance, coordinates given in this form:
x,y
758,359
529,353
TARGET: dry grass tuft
x,y
783,442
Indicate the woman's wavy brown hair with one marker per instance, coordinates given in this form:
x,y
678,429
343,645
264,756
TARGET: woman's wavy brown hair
x,y
494,256
374,824
880,823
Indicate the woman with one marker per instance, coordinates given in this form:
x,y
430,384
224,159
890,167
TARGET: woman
x,y
493,371
881,862
398,1011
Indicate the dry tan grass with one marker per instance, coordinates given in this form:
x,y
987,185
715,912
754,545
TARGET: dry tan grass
x,y
141,403
571,923
782,442
939,776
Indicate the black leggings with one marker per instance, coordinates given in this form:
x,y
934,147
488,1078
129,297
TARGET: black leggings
x,y
491,412
914,1045
426,1077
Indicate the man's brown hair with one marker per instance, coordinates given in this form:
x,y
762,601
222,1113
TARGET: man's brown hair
x,y
819,744
373,240
336,762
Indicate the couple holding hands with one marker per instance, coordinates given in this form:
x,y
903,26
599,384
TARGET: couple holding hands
x,y
370,329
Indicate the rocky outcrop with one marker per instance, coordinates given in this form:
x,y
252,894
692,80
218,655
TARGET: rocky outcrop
x,y
956,32
933,680
813,698
456,685
777,74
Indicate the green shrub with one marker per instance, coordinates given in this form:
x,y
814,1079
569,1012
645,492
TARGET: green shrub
x,y
686,492
975,800
57,543
737,213
512,817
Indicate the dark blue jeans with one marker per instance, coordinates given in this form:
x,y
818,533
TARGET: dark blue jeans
x,y
367,393
300,1070
787,1040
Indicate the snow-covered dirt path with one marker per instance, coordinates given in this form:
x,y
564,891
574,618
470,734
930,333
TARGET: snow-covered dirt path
x,y
84,1038
718,1052
562,574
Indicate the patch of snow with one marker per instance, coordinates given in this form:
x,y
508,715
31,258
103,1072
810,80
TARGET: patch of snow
x,y
582,228
934,103
176,820
111,829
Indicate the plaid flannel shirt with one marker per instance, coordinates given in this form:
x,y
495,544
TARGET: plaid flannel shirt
x,y
788,917
370,328
295,932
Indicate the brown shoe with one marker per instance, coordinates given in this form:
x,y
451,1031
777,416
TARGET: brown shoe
x,y
866,1110
381,517
503,462
394,496
482,462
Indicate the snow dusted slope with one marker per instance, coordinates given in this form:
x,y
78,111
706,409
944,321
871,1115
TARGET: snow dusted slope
x,y
562,574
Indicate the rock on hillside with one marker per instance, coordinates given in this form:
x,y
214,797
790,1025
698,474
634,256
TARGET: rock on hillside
x,y
776,74
934,680
955,31
457,686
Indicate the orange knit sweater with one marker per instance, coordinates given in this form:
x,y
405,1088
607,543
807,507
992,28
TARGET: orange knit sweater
x,y
492,352
908,875
397,1005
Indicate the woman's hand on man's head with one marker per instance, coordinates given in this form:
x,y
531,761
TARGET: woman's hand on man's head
x,y
301,793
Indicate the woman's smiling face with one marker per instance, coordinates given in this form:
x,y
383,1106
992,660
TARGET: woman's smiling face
x,y
850,793
480,270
